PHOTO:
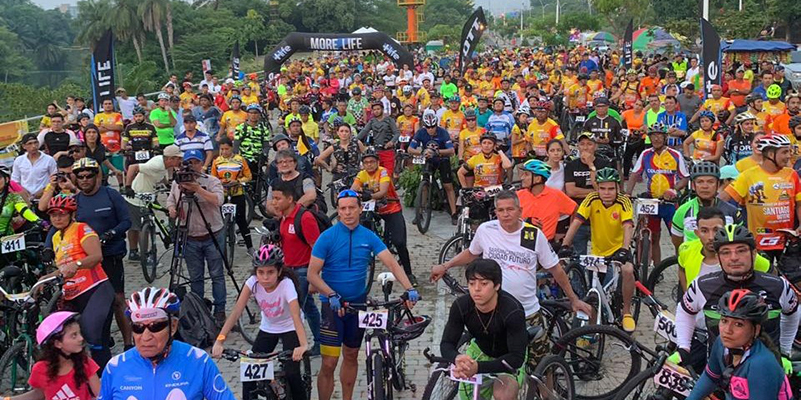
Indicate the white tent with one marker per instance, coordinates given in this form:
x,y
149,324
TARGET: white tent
x,y
368,29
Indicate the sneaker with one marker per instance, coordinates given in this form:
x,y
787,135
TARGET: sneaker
x,y
628,323
133,255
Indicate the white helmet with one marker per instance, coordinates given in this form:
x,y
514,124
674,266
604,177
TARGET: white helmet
x,y
429,119
146,304
771,141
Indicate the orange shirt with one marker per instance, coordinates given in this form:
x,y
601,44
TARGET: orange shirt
x,y
649,85
374,181
545,208
634,122
68,246
738,99
112,139
781,124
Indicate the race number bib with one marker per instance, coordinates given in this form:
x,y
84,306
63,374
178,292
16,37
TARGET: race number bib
x,y
12,243
404,139
674,378
493,190
373,319
146,197
142,155
593,263
665,326
647,206
580,118
475,379
419,160
228,209
252,370
368,205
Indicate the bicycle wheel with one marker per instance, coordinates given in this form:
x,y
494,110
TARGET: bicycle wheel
x,y
664,281
644,254
15,369
578,281
399,378
248,323
440,386
557,380
553,312
260,199
230,241
598,356
52,304
148,251
250,208
642,387
306,375
377,385
451,248
423,206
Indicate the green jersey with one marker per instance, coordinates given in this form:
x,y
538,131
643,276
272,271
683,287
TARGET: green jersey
x,y
251,140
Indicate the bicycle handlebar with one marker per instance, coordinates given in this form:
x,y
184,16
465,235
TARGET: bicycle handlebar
x,y
234,355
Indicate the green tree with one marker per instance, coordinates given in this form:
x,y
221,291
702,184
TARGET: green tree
x,y
13,64
788,13
153,13
327,15
253,29
93,22
618,13
449,34
447,12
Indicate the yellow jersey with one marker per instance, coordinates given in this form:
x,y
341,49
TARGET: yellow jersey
x,y
607,222
539,135
472,142
487,171
774,110
745,164
453,122
703,145
718,105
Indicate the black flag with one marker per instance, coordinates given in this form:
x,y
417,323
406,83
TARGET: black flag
x,y
628,42
471,33
710,56
235,61
103,70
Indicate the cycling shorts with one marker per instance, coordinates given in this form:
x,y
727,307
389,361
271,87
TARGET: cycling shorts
x,y
485,389
336,331
445,173
665,214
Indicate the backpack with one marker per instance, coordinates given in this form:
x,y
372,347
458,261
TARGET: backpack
x,y
195,324
323,222
319,203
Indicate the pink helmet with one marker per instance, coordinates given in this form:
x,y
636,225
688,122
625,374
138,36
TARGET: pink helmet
x,y
53,324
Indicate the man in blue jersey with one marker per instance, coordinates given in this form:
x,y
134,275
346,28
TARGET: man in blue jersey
x,y
434,143
338,269
500,123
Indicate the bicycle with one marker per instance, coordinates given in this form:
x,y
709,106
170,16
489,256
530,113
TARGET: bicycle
x,y
401,157
228,211
256,190
393,327
605,296
260,368
551,378
21,315
152,227
641,241
425,199
789,266
337,185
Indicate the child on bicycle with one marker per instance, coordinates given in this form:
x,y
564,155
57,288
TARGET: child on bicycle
x,y
64,369
233,171
610,214
275,290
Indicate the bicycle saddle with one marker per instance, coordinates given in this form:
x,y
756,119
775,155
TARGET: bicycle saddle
x,y
385,277
535,333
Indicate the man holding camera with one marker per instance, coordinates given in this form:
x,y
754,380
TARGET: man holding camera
x,y
105,211
205,194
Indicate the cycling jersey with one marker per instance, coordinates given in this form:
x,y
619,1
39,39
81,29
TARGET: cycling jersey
x,y
540,134
14,204
675,120
406,125
487,171
251,139
691,257
705,144
577,96
187,373
501,125
471,141
717,105
738,147
347,254
231,170
661,171
607,222
769,200
774,110
453,122
684,222
758,376
374,181
483,117
141,137
422,138
68,246
232,119
603,128
110,138
703,294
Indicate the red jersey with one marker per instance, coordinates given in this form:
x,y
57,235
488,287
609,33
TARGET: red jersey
x,y
62,387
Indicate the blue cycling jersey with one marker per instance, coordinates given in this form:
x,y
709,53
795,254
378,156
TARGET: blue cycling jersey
x,y
421,139
501,125
188,373
347,254
758,376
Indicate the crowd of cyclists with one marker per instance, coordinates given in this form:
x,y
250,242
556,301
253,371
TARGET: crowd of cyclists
x,y
570,147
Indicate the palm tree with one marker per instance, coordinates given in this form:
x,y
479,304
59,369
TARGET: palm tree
x,y
152,13
170,31
93,22
126,24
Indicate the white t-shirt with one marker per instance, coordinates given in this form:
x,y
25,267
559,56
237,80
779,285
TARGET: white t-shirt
x,y
518,263
275,315
127,106
150,174
389,80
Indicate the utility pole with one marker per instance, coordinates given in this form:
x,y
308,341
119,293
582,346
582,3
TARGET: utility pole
x,y
522,5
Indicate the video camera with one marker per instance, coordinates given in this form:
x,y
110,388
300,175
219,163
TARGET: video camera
x,y
186,174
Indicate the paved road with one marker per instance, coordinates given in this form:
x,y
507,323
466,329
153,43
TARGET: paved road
x,y
424,250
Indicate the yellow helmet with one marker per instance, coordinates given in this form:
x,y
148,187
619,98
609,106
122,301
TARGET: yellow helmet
x,y
85,163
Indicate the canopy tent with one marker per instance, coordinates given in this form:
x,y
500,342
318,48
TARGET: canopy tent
x,y
363,29
653,38
741,50
602,37
435,45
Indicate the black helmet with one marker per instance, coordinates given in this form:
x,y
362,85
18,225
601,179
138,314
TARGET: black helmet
x,y
489,136
369,152
704,168
731,234
743,304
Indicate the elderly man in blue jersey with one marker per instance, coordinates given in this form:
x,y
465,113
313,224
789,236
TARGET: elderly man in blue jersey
x,y
338,268
160,367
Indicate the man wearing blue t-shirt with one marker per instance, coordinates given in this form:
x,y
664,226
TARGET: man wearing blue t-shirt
x,y
338,268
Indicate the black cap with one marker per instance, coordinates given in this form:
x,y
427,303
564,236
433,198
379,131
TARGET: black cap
x,y
189,118
28,137
602,101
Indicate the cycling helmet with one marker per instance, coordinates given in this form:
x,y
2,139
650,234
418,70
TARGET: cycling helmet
x,y
407,89
537,167
164,96
62,203
268,254
752,98
542,105
53,325
409,329
488,136
704,168
455,99
370,152
429,119
772,141
254,107
743,304
470,113
238,83
356,91
729,172
707,114
743,116
305,110
235,97
85,163
292,119
774,91
138,110
279,137
5,171
607,174
795,121
657,127
731,234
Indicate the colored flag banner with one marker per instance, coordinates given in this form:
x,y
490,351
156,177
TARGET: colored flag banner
x,y
471,34
102,69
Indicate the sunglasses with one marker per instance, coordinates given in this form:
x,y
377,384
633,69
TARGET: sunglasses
x,y
85,176
347,193
155,327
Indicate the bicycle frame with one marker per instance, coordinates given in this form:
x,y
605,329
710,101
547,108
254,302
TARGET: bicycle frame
x,y
604,292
